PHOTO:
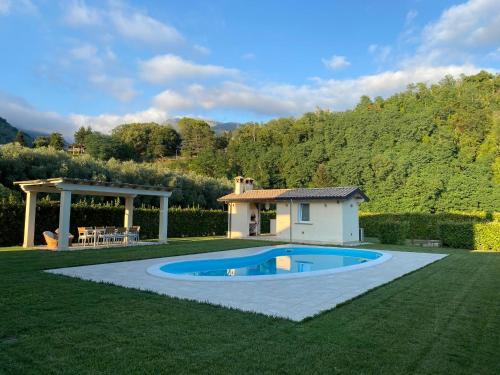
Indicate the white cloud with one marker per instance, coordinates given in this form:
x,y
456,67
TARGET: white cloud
x,y
87,53
20,6
202,49
143,28
169,99
336,62
77,13
5,6
119,87
166,68
248,56
494,55
380,53
106,122
460,30
123,20
23,115
410,16
96,67
285,99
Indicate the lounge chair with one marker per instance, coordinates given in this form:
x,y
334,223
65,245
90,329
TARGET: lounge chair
x,y
50,239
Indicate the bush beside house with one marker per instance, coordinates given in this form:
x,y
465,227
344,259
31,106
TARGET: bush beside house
x,y
466,230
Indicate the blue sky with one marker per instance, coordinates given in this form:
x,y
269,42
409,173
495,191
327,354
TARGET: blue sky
x,y
101,63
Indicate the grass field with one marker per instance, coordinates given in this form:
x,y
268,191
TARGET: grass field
x,y
442,319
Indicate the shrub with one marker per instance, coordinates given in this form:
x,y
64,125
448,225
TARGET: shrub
x,y
487,236
393,232
457,235
182,222
424,226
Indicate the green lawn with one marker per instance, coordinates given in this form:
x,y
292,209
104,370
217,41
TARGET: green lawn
x,y
443,319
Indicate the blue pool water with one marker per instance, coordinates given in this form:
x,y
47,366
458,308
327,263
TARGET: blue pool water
x,y
284,260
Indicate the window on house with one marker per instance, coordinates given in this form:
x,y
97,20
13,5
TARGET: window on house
x,y
304,212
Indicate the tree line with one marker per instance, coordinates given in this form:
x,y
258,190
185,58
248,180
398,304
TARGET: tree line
x,y
427,149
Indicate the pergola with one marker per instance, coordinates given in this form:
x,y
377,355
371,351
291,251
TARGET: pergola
x,y
68,186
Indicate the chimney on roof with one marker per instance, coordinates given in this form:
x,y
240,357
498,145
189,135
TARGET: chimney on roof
x,y
248,184
239,185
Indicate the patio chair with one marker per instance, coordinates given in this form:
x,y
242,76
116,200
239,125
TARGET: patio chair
x,y
86,235
133,233
120,234
50,240
100,235
109,235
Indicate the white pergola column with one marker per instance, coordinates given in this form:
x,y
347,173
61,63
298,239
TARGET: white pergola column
x,y
163,230
29,219
64,219
129,212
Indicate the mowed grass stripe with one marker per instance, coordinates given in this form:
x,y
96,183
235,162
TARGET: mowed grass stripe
x,y
443,319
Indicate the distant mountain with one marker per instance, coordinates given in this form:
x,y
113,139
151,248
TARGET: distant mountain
x,y
8,133
218,126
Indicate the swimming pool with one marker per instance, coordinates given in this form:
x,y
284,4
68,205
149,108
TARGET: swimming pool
x,y
272,263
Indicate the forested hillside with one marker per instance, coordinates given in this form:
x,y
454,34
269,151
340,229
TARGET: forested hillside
x,y
426,149
9,133
23,163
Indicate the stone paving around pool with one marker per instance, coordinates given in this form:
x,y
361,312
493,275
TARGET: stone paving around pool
x,y
295,299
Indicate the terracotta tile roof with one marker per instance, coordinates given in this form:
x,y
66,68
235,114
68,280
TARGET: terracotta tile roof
x,y
254,195
300,193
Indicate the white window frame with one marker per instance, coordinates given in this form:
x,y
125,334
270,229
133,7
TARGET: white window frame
x,y
300,220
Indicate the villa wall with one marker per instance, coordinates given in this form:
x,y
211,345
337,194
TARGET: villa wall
x,y
350,220
331,221
240,220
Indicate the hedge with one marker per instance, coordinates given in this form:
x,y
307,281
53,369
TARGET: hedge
x,y
393,232
182,222
457,235
460,230
466,230
423,226
487,236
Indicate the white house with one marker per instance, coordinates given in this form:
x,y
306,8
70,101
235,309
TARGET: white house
x,y
328,215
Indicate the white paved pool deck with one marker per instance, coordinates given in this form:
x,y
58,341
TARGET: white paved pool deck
x,y
295,298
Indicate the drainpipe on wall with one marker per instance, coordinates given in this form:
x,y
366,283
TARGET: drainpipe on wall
x,y
229,220
290,220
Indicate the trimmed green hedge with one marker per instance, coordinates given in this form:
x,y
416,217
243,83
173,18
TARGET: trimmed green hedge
x,y
487,236
465,230
183,222
422,226
393,232
479,236
459,230
457,235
